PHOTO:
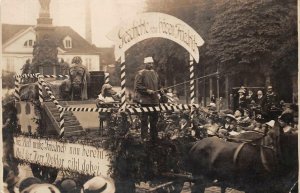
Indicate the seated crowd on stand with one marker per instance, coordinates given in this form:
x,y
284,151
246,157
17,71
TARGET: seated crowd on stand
x,y
252,113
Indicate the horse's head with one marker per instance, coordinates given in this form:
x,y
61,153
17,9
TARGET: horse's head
x,y
77,76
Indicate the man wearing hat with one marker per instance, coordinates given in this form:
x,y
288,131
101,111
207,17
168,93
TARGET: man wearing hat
x,y
146,87
99,184
242,99
105,100
271,99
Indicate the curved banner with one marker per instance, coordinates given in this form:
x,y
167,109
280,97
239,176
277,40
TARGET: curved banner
x,y
152,25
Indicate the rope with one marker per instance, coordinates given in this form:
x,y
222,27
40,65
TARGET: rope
x,y
175,85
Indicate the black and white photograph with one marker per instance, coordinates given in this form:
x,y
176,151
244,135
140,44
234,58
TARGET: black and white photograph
x,y
149,96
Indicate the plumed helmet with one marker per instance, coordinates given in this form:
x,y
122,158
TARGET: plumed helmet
x,y
76,60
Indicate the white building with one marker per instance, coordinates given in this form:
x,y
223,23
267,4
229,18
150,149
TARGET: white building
x,y
18,41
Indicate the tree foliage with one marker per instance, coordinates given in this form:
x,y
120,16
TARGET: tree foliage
x,y
239,36
253,34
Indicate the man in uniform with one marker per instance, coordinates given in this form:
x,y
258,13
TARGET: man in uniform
x,y
271,99
146,87
242,99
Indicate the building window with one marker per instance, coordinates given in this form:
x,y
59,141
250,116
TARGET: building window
x,y
67,42
29,43
10,66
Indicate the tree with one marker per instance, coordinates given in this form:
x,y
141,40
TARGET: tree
x,y
253,35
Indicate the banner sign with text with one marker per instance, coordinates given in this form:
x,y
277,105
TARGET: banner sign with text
x,y
65,156
151,25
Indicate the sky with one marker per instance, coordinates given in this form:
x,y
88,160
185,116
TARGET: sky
x,y
105,14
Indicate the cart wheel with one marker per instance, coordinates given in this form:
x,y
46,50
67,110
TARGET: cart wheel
x,y
44,173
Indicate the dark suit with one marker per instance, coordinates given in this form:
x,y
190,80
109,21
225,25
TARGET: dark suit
x,y
144,80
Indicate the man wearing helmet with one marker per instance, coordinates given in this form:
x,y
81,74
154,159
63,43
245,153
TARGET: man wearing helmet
x,y
146,87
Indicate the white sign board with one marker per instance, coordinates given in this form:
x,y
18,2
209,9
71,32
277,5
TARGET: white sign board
x,y
151,25
65,156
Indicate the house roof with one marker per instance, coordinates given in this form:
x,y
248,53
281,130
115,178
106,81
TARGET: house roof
x,y
79,44
10,30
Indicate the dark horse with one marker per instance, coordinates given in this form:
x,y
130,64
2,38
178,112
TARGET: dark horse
x,y
78,82
268,164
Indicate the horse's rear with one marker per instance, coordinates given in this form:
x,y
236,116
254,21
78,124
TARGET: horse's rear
x,y
252,167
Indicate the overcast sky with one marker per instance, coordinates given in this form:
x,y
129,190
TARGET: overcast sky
x,y
106,14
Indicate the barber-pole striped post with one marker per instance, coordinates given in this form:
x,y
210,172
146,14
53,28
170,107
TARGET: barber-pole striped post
x,y
123,82
59,107
39,77
17,88
61,122
192,81
106,78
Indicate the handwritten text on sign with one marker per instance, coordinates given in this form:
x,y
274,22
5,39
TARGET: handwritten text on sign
x,y
153,25
75,157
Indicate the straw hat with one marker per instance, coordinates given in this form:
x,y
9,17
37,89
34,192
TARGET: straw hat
x,y
230,116
99,184
25,183
41,188
241,91
271,123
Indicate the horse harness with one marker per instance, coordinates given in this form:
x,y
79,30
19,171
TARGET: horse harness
x,y
262,147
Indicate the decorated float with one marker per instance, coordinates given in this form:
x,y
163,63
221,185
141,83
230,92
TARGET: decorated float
x,y
56,134
58,130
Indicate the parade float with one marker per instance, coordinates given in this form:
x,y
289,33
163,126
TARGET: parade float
x,y
53,133
56,132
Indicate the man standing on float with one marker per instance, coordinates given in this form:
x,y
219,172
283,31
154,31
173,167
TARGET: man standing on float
x,y
146,87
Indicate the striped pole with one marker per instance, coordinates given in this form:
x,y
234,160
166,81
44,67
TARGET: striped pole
x,y
134,108
17,88
41,98
61,122
58,106
123,82
40,75
192,81
106,78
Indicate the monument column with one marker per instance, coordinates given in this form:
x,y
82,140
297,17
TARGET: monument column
x,y
45,52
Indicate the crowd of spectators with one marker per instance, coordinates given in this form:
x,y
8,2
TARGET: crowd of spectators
x,y
13,184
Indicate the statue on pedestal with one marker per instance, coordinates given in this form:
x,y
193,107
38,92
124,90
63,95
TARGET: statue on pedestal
x,y
44,11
